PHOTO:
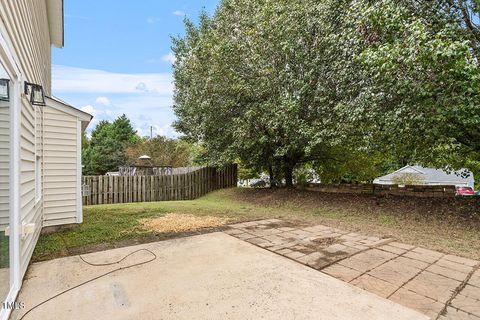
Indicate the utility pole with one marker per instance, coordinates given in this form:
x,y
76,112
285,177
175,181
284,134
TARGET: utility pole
x,y
151,132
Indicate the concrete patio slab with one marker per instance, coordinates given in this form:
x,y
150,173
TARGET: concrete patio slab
x,y
437,285
213,276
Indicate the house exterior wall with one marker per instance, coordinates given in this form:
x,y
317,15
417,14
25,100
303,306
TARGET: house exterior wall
x,y
25,55
39,145
26,27
61,160
428,177
26,23
426,183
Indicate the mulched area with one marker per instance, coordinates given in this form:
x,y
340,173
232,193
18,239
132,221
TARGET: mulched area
x,y
460,210
446,225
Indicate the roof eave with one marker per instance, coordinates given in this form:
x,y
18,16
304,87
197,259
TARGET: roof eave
x,y
55,22
83,116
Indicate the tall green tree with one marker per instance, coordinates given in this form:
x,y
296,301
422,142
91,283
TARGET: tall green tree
x,y
106,149
253,83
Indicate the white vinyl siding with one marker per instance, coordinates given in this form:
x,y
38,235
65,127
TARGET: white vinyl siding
x,y
61,160
38,179
27,26
4,164
30,209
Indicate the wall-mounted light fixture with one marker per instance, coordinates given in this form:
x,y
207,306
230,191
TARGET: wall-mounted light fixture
x,y
4,90
36,94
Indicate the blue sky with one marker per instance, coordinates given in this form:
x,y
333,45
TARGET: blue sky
x,y
117,58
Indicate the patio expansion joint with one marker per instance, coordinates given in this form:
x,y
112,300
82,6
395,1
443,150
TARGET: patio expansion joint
x,y
381,264
421,270
457,290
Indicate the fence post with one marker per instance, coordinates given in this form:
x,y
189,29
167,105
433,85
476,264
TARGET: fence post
x,y
170,187
197,183
116,189
85,200
128,189
134,188
184,186
175,186
100,190
187,186
155,188
97,188
200,178
162,188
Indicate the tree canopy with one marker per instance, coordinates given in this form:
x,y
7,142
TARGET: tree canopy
x,y
280,83
115,144
162,152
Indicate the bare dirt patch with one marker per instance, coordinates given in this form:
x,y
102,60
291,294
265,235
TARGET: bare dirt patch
x,y
174,222
462,211
316,245
281,224
325,242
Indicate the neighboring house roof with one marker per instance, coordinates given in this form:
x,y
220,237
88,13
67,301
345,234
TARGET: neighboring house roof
x,y
55,22
432,176
65,107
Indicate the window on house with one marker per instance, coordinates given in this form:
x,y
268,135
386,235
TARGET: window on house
x,y
38,178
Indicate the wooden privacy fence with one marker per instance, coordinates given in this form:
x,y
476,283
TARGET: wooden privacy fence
x,y
127,189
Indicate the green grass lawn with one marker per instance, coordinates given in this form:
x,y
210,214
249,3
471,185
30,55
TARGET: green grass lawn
x,y
4,250
106,225
433,225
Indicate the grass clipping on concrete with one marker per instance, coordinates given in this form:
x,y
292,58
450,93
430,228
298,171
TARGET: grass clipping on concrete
x,y
174,222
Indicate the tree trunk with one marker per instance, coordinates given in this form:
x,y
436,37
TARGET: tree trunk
x,y
272,178
288,171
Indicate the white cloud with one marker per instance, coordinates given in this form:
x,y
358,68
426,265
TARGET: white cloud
x,y
152,20
144,110
179,13
103,101
146,99
141,86
169,58
89,109
79,80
